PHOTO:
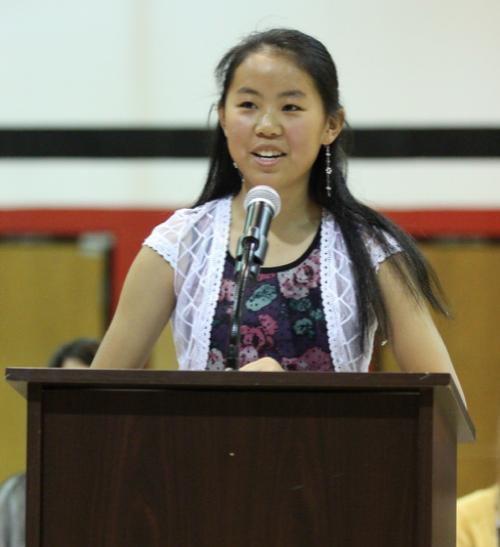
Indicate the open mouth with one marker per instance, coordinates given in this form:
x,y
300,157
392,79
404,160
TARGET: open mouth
x,y
268,155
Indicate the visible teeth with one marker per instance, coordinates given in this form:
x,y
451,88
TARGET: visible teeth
x,y
269,154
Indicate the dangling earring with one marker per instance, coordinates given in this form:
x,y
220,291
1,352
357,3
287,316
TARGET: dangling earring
x,y
235,165
328,170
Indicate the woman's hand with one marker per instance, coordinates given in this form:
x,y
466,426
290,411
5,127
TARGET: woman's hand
x,y
266,364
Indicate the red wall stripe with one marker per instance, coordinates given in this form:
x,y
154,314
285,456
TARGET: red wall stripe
x,y
130,226
127,227
446,222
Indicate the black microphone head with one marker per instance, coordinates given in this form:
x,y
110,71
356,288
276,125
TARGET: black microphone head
x,y
265,194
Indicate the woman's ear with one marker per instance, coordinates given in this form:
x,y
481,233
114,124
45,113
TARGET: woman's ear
x,y
335,124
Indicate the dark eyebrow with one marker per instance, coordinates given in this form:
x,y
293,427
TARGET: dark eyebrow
x,y
247,91
294,93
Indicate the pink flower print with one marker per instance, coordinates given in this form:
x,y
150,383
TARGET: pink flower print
x,y
247,355
227,290
313,359
215,360
269,325
295,283
253,336
317,359
290,363
265,276
258,337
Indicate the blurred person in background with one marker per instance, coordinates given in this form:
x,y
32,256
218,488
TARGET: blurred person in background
x,y
77,353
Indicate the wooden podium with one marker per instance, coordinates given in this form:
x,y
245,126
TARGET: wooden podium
x,y
226,459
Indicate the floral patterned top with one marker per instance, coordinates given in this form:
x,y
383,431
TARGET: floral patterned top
x,y
282,316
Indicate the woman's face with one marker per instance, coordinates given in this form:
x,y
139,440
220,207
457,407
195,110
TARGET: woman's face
x,y
274,121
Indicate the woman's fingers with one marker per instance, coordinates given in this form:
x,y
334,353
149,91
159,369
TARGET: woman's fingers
x,y
266,364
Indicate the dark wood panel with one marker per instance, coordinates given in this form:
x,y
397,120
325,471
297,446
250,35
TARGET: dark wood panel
x,y
444,479
442,384
35,460
258,468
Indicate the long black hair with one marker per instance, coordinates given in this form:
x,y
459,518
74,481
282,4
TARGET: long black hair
x,y
356,221
82,349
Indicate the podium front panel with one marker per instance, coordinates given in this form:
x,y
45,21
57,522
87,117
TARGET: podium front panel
x,y
217,468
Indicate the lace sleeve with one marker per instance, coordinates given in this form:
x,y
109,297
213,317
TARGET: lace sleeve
x,y
377,253
164,239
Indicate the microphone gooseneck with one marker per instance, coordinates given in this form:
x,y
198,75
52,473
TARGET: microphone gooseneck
x,y
262,204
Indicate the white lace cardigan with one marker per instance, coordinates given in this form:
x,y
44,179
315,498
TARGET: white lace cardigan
x,y
195,242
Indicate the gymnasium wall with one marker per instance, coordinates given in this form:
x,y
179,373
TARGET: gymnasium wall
x,y
103,125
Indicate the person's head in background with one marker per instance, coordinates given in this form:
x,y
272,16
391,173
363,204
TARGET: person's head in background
x,y
78,353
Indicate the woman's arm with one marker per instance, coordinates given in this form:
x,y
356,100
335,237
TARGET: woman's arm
x,y
145,306
414,338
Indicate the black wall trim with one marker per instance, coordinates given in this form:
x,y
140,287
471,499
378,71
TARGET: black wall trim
x,y
195,143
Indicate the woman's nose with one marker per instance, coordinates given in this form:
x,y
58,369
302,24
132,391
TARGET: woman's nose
x,y
268,125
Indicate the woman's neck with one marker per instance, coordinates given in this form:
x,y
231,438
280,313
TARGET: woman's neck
x,y
298,213
291,232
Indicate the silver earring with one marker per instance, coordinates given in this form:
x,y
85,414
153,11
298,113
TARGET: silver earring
x,y
235,165
328,170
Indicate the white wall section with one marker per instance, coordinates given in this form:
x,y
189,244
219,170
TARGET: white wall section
x,y
389,184
126,63
401,62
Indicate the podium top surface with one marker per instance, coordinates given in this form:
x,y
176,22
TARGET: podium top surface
x,y
442,384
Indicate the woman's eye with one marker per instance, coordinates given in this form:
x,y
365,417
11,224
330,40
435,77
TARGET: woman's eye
x,y
291,108
247,104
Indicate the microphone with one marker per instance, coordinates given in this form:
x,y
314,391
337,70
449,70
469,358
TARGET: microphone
x,y
262,204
